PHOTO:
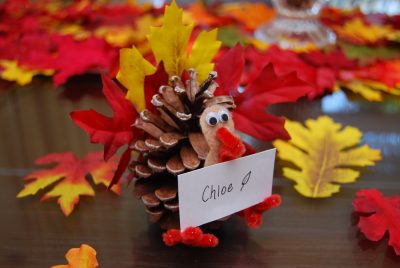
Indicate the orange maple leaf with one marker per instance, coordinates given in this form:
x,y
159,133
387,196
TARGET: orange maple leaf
x,y
252,15
83,257
68,178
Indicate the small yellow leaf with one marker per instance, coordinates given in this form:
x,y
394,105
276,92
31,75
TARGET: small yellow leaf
x,y
363,90
321,152
370,90
203,51
133,70
170,41
19,74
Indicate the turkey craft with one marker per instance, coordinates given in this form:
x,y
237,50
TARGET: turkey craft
x,y
181,115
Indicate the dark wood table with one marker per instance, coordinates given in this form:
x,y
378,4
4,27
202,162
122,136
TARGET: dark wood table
x,y
301,233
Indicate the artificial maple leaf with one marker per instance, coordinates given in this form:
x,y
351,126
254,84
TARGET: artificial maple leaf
x,y
362,89
252,101
170,41
319,78
204,15
169,44
12,72
68,178
251,15
358,32
133,70
77,57
112,132
368,53
383,71
384,216
334,59
204,49
152,83
82,257
320,151
117,36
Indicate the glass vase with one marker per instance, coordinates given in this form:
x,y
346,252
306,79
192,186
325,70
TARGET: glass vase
x,y
296,25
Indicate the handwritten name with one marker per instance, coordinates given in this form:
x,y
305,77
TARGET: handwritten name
x,y
214,192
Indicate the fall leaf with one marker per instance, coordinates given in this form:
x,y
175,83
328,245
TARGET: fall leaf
x,y
12,72
204,16
335,59
322,152
133,70
83,257
358,32
230,36
204,48
265,89
118,36
67,178
169,44
368,54
362,89
386,72
383,216
112,132
251,15
320,78
77,57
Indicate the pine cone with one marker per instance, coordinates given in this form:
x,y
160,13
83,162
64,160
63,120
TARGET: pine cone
x,y
174,144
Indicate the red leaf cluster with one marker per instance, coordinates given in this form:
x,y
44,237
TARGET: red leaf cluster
x,y
264,88
191,236
383,216
253,215
31,33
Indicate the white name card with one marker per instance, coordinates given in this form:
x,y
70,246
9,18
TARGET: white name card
x,y
220,190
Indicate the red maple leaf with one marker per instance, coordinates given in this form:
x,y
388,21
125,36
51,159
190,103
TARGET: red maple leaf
x,y
112,132
319,78
335,59
252,101
153,82
78,57
384,215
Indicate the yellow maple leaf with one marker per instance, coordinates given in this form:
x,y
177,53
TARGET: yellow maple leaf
x,y
133,69
369,89
118,36
356,29
83,257
169,44
13,72
203,51
322,152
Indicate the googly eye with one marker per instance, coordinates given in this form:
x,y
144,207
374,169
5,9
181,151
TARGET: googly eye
x,y
212,118
223,115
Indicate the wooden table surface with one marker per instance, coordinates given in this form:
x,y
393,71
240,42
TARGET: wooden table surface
x,y
300,233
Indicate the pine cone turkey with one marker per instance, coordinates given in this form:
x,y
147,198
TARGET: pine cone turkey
x,y
173,144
